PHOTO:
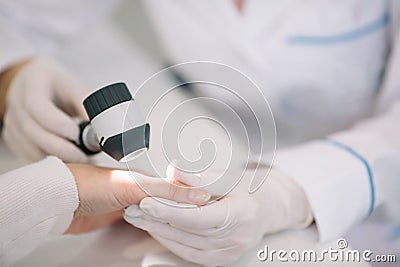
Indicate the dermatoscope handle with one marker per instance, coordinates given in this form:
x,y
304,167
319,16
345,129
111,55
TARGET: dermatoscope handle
x,y
87,140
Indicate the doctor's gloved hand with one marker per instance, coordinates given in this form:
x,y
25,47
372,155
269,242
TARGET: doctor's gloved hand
x,y
219,233
42,98
104,193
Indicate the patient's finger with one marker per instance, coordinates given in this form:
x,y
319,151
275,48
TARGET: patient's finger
x,y
159,187
203,217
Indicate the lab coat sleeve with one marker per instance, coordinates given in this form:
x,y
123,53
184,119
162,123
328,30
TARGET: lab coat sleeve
x,y
346,175
36,201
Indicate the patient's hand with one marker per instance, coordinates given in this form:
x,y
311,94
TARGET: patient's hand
x,y
104,193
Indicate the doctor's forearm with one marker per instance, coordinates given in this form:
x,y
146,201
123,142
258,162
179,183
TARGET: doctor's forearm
x,y
348,174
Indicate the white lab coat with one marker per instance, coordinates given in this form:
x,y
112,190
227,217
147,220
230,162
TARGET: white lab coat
x,y
319,63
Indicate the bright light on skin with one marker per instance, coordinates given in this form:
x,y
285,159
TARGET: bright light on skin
x,y
170,173
120,176
133,155
128,176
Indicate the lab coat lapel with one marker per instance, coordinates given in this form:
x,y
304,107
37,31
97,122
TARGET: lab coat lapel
x,y
265,16
390,90
223,13
391,84
257,17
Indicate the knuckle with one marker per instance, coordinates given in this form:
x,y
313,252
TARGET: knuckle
x,y
172,192
132,194
120,200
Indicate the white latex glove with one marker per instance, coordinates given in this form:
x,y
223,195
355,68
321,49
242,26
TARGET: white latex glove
x,y
219,233
41,102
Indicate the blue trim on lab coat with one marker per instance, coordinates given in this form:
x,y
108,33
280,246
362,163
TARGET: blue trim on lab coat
x,y
367,166
372,27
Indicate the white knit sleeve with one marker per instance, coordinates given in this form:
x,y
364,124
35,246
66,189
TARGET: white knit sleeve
x,y
35,201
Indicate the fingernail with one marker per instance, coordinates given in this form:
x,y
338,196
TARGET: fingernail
x,y
199,196
171,169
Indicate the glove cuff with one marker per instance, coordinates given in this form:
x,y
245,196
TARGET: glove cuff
x,y
281,197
